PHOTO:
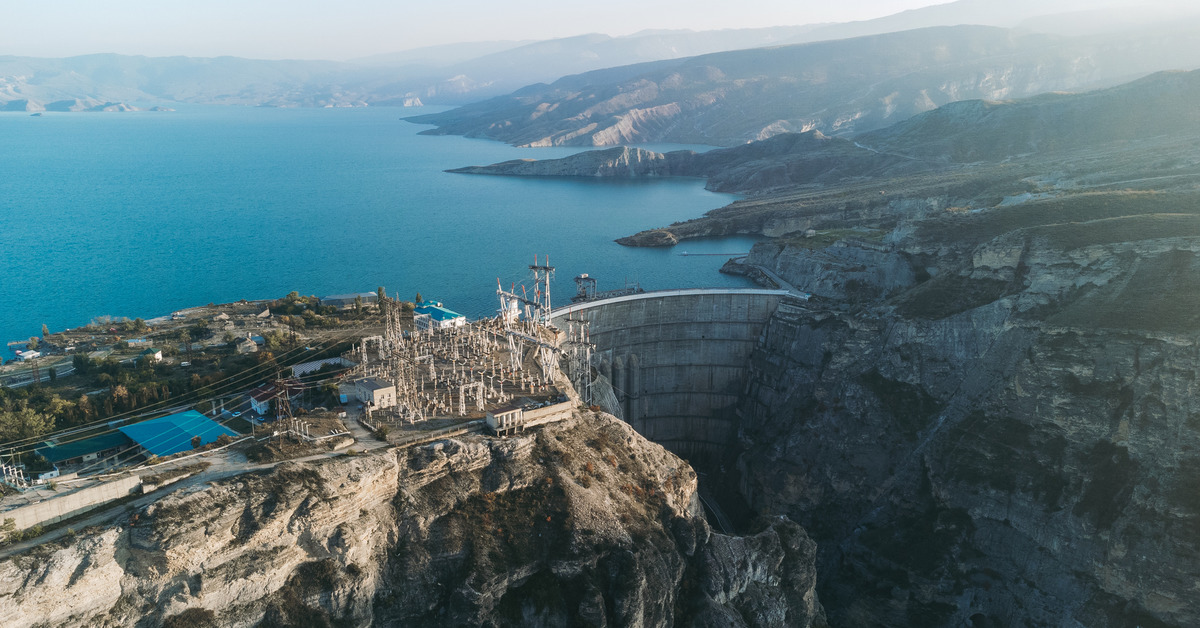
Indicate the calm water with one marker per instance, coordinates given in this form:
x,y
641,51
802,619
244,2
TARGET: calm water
x,y
139,214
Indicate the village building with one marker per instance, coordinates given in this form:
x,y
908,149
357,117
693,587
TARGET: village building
x,y
153,355
260,399
246,345
431,315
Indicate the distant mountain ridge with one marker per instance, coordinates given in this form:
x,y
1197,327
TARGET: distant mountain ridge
x,y
1162,104
960,133
474,70
455,74
838,87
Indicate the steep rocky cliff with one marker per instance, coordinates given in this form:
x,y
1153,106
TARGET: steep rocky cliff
x,y
1009,436
578,523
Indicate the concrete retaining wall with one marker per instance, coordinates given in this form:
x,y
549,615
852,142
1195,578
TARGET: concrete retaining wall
x,y
74,503
549,414
678,360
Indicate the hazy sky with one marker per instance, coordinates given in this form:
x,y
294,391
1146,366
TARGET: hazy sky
x,y
325,29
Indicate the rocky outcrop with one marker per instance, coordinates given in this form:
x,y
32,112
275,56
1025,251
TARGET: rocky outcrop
x,y
577,523
621,161
1008,441
788,159
850,268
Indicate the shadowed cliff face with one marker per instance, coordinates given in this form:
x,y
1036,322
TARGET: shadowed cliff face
x,y
578,523
1004,436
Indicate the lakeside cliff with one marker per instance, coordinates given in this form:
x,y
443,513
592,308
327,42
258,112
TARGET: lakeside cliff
x,y
578,523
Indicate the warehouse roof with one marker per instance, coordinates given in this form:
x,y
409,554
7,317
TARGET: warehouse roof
x,y
173,433
56,453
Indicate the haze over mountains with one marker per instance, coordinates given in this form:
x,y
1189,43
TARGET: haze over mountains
x,y
1144,113
467,72
836,87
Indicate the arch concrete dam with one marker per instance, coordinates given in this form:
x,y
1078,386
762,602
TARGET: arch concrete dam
x,y
677,360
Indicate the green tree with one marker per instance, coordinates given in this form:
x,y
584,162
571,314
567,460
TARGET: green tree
x,y
45,330
53,374
358,305
418,299
274,340
81,363
24,422
33,343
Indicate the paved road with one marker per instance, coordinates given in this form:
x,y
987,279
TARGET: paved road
x,y
779,281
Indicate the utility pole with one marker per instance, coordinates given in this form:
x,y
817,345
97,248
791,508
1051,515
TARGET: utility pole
x,y
541,282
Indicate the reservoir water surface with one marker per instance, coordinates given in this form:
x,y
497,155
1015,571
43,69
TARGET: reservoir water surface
x,y
139,214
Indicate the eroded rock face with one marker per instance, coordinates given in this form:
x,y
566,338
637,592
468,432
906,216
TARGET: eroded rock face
x,y
577,523
1011,442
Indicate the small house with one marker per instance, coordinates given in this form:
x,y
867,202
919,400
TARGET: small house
x,y
152,354
260,398
246,345
22,356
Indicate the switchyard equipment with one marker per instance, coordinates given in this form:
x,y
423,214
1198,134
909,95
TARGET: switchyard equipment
x,y
462,371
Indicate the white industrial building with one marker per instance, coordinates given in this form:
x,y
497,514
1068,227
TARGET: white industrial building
x,y
431,315
506,421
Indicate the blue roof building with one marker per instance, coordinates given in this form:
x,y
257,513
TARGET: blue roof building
x,y
173,433
431,315
85,450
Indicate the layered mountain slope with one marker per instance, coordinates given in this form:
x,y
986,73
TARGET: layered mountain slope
x,y
836,87
578,523
1163,104
969,155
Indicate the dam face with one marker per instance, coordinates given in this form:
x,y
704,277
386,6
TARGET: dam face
x,y
677,360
